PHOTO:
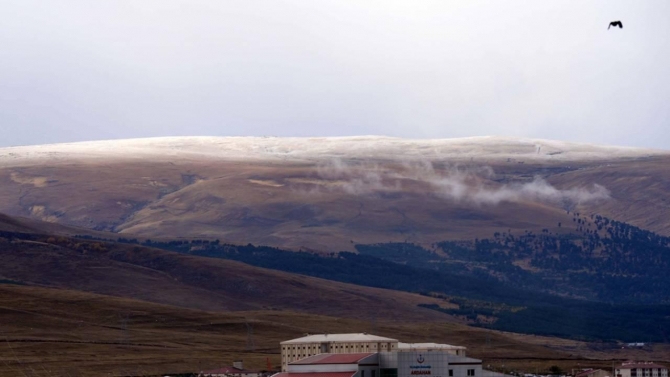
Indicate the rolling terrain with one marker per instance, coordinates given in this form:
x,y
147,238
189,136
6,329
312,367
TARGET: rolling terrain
x,y
170,278
76,307
80,307
327,194
56,332
406,238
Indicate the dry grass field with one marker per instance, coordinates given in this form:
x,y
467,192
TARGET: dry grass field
x,y
54,332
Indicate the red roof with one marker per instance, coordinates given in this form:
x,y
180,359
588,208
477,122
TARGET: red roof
x,y
316,374
332,358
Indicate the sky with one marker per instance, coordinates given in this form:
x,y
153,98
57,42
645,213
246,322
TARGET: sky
x,y
93,70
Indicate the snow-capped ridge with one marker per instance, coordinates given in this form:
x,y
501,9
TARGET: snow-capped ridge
x,y
316,148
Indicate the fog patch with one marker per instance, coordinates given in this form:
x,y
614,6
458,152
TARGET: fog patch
x,y
456,183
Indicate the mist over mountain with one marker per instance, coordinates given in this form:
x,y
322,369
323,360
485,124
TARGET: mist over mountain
x,y
331,193
523,236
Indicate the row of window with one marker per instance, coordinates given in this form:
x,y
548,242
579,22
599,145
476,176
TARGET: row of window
x,y
286,348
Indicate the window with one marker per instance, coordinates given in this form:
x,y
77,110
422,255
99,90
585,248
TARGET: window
x,y
388,372
363,373
451,373
471,372
372,373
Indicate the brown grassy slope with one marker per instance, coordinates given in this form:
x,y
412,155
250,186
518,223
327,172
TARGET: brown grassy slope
x,y
14,224
297,205
48,332
283,205
194,282
34,226
640,191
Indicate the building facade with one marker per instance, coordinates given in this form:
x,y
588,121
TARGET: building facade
x,y
641,370
365,355
300,348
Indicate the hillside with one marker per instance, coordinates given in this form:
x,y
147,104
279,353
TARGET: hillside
x,y
54,332
328,194
150,318
189,281
485,285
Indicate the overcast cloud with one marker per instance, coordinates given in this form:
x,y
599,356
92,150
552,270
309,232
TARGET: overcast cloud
x,y
87,70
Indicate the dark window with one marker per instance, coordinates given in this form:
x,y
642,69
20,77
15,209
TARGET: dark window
x,y
471,372
388,372
451,373
362,373
373,373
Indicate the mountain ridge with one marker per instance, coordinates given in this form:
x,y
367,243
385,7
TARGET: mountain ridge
x,y
298,193
306,148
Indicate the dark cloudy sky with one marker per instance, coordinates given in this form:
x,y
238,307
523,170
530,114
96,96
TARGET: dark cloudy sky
x,y
87,70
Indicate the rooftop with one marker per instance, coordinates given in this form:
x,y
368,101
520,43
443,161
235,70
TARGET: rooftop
x,y
428,346
332,358
455,360
640,365
360,337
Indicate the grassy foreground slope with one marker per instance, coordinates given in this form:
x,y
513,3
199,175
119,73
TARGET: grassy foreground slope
x,y
54,332
190,281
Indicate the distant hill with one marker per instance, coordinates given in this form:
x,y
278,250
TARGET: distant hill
x,y
546,285
328,194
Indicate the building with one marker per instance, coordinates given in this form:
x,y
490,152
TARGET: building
x,y
365,355
639,369
236,370
364,364
300,348
454,350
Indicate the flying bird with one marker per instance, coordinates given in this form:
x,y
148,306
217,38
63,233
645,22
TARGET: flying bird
x,y
615,24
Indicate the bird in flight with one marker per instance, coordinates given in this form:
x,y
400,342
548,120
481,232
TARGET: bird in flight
x,y
615,24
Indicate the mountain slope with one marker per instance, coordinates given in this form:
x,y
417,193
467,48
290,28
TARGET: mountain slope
x,y
188,281
330,193
55,332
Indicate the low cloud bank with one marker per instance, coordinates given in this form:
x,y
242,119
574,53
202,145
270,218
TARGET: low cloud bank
x,y
472,185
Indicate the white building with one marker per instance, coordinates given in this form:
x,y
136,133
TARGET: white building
x,y
635,369
300,348
454,350
364,355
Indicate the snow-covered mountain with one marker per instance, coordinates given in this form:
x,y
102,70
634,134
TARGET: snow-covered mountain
x,y
359,147
329,193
